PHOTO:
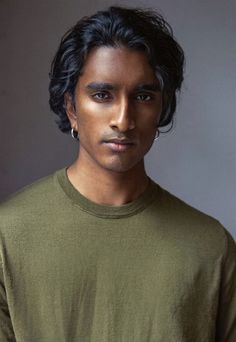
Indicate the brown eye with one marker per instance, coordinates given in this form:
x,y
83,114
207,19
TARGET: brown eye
x,y
101,96
144,97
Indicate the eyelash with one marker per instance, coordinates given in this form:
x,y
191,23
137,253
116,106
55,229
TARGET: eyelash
x,y
96,96
106,97
146,95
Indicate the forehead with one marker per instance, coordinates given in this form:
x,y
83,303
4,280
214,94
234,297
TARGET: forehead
x,y
122,66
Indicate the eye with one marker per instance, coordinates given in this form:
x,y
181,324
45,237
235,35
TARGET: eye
x,y
101,96
144,97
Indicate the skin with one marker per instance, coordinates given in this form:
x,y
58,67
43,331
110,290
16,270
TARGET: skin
x,y
116,110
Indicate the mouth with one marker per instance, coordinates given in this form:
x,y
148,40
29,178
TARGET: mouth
x,y
119,145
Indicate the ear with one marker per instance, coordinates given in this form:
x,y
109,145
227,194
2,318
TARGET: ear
x,y
70,109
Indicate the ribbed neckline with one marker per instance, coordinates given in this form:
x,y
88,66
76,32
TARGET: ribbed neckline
x,y
106,211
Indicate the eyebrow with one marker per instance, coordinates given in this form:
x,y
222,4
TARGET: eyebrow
x,y
102,86
98,86
155,87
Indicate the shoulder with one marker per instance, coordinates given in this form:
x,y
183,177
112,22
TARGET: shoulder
x,y
29,202
191,227
28,193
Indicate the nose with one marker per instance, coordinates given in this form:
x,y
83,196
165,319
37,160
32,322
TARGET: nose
x,y
122,118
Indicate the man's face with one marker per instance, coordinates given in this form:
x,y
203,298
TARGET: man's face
x,y
117,108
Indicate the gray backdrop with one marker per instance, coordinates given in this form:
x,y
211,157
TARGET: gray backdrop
x,y
196,161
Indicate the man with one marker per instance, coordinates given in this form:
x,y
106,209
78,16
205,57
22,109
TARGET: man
x,y
98,251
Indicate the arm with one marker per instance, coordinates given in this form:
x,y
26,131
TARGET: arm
x,y
226,319
6,329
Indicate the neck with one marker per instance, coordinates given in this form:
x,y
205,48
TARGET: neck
x,y
108,187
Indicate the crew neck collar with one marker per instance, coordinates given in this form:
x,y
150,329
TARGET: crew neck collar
x,y
106,211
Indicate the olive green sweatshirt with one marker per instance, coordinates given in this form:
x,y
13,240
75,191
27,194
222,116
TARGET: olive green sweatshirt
x,y
153,270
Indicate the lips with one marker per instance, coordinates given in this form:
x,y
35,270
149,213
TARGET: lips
x,y
121,141
119,145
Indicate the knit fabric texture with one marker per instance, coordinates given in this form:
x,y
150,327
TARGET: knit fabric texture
x,y
153,270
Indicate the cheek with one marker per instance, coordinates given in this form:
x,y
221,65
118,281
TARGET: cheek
x,y
87,117
147,132
90,112
148,124
149,115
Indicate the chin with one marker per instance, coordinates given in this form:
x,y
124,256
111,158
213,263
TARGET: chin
x,y
118,169
120,166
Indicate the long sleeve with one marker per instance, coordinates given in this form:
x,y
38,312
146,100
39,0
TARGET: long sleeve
x,y
226,320
6,329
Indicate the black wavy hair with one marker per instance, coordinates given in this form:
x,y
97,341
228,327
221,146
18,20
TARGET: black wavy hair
x,y
139,29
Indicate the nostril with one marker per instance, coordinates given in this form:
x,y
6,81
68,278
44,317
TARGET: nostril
x,y
123,123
